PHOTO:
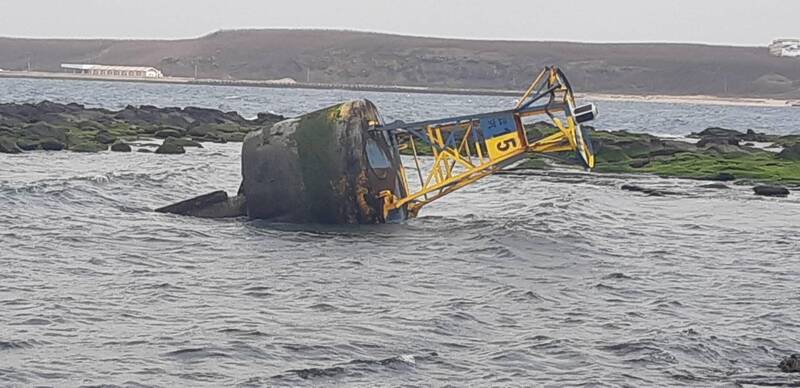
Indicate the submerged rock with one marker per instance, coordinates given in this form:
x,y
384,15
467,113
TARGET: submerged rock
x,y
647,190
771,191
88,147
790,364
170,146
120,147
721,186
185,142
723,177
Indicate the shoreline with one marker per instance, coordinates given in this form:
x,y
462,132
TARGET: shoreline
x,y
655,98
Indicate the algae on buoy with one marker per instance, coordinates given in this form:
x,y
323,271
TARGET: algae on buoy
x,y
323,167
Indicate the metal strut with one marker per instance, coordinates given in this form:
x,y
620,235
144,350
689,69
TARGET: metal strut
x,y
470,147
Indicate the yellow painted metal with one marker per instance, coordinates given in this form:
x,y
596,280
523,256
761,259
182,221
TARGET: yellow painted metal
x,y
504,145
471,157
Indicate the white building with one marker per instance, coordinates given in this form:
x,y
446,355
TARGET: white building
x,y
114,71
785,48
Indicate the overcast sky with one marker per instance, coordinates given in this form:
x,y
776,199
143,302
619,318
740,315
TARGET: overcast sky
x,y
736,22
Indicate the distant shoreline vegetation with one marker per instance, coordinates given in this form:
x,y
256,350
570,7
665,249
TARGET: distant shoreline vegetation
x,y
369,58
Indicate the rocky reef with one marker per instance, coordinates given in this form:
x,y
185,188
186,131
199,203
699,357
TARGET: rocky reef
x,y
718,154
714,154
52,126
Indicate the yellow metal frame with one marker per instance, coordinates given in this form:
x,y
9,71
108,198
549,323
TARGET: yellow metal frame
x,y
463,162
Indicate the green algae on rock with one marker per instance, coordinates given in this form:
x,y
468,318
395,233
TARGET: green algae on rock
x,y
717,156
53,126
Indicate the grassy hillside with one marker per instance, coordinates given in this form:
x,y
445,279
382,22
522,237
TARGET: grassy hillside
x,y
359,57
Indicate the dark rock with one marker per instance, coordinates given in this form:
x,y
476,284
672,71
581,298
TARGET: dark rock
x,y
120,147
88,146
9,146
211,116
40,131
199,131
707,141
717,132
184,142
639,163
723,177
771,191
790,364
671,147
714,186
212,205
754,136
27,145
52,145
722,133
791,152
234,137
45,107
647,190
165,133
170,147
268,119
104,137
144,150
729,150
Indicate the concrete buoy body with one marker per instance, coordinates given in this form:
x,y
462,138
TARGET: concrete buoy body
x,y
323,167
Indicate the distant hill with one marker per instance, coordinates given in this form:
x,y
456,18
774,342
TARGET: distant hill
x,y
360,57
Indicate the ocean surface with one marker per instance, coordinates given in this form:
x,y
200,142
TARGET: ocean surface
x,y
556,279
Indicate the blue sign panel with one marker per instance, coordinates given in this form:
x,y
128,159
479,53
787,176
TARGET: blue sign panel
x,y
501,124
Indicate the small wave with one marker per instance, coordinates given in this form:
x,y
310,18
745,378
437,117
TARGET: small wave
x,y
617,276
12,345
196,353
360,366
312,373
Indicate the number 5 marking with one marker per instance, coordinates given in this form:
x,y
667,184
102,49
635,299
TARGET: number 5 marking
x,y
507,145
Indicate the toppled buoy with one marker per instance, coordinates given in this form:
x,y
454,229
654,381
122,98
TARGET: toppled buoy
x,y
341,165
323,167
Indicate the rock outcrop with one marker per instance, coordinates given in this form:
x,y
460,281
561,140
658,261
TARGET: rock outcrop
x,y
771,191
719,155
9,146
171,146
790,364
52,126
